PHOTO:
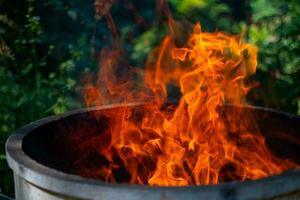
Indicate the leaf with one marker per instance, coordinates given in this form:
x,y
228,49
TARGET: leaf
x,y
144,43
27,69
263,9
184,6
259,35
66,66
73,15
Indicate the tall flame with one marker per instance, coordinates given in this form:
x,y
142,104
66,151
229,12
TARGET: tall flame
x,y
196,142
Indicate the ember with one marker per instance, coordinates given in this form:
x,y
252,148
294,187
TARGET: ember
x,y
193,143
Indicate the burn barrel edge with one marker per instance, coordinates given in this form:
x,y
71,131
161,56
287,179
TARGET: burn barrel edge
x,y
36,181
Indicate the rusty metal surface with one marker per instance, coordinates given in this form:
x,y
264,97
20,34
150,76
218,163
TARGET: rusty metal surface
x,y
34,181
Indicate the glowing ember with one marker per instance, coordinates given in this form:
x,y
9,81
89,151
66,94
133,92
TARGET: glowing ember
x,y
194,143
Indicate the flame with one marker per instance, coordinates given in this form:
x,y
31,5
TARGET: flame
x,y
196,142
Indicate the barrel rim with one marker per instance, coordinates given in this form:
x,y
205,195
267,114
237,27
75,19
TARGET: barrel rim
x,y
44,177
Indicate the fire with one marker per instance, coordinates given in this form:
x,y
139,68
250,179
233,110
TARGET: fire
x,y
196,142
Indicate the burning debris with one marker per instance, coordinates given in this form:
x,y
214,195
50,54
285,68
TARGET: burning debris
x,y
195,142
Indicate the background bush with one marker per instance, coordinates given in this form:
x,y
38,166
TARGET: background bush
x,y
46,46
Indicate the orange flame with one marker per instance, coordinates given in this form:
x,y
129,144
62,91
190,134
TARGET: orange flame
x,y
195,142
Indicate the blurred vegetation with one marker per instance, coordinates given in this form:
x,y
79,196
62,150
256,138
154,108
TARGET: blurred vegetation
x,y
46,46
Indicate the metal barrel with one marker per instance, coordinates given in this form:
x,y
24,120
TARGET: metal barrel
x,y
36,181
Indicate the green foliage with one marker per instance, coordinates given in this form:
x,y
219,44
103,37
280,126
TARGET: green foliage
x,y
144,43
30,87
211,13
263,9
184,6
275,30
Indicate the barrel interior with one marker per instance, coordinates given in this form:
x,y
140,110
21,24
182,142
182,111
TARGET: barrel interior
x,y
52,144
